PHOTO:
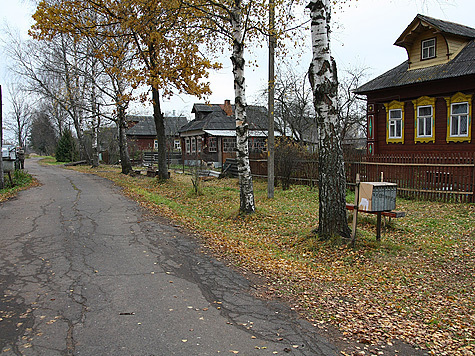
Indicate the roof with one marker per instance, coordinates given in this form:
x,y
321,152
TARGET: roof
x,y
213,117
145,125
462,65
422,22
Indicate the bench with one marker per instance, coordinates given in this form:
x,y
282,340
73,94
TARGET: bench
x,y
389,214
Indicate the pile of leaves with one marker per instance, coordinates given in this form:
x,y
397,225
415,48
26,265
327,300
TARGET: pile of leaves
x,y
416,285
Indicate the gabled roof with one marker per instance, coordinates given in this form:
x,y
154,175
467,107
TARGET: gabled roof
x,y
213,117
145,125
462,65
422,22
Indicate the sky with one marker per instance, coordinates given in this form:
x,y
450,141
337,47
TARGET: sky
x,y
363,34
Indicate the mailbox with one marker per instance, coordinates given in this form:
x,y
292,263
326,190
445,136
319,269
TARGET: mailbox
x,y
377,196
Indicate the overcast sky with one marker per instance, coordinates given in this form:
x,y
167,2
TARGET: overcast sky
x,y
363,36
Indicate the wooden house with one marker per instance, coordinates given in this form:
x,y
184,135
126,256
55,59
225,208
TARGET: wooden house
x,y
211,136
142,135
425,105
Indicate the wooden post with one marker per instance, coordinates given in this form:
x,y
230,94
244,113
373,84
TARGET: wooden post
x,y
355,210
378,219
271,87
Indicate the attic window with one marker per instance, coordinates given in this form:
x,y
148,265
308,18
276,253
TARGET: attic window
x,y
428,49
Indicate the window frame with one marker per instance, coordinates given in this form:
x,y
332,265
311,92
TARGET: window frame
x,y
187,145
229,144
434,46
392,107
457,99
459,116
212,144
393,123
421,102
193,145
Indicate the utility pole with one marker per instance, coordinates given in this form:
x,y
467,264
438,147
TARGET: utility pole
x,y
2,181
271,85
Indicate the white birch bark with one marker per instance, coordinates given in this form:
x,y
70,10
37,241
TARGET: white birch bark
x,y
331,170
247,205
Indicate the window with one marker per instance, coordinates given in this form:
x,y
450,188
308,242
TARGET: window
x,y
424,121
193,145
395,123
199,143
229,144
212,144
257,144
428,49
459,120
187,145
155,144
177,145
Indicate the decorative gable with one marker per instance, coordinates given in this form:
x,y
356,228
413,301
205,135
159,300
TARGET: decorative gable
x,y
431,42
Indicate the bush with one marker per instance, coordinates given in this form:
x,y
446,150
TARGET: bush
x,y
66,150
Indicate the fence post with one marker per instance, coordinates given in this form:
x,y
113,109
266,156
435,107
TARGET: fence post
x,y
473,178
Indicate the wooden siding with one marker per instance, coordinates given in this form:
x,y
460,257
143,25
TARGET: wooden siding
x,y
410,146
415,51
447,48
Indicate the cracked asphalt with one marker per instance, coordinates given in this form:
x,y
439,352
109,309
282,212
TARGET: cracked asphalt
x,y
84,271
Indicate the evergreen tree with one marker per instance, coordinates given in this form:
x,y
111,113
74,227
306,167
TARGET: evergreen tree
x,y
66,150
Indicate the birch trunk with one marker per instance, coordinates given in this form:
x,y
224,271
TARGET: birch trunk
x,y
246,189
331,171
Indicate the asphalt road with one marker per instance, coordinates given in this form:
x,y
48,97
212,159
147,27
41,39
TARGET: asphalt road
x,y
83,271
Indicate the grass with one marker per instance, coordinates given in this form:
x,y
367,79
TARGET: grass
x,y
21,180
417,284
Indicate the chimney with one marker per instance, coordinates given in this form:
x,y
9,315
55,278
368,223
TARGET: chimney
x,y
228,109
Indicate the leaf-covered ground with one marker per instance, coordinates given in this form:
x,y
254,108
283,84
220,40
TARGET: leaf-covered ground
x,y
416,285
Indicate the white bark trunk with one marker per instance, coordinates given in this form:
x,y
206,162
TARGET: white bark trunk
x,y
331,170
242,128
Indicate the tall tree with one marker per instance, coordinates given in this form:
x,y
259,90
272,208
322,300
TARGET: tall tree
x,y
163,40
240,22
20,116
42,134
331,171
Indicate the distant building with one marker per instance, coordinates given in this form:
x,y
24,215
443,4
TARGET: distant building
x,y
211,136
142,134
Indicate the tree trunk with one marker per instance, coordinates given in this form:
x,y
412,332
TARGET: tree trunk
x,y
160,128
123,150
247,205
96,122
331,171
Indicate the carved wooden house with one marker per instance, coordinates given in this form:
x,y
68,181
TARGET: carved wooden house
x,y
425,105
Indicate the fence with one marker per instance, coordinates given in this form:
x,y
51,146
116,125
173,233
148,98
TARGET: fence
x,y
448,177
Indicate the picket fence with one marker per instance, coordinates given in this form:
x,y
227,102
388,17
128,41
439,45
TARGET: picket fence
x,y
443,177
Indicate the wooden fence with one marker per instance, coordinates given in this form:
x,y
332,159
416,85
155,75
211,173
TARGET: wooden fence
x,y
448,177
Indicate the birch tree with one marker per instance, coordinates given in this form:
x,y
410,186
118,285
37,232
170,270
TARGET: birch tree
x,y
331,172
240,22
